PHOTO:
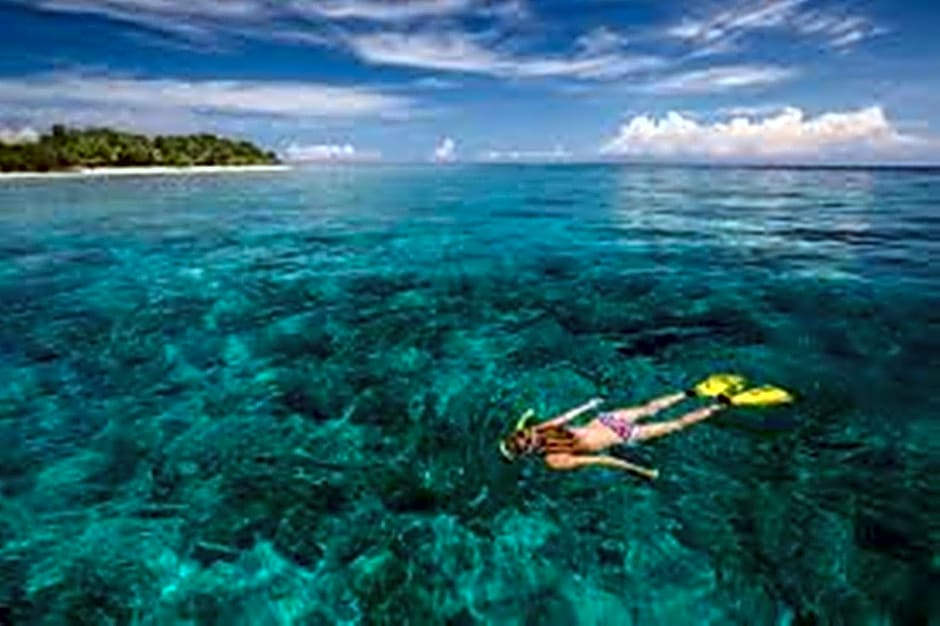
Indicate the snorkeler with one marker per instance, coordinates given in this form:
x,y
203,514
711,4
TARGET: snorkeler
x,y
565,447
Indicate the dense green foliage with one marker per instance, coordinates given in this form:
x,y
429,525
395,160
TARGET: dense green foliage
x,y
65,148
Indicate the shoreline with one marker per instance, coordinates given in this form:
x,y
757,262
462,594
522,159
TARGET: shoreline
x,y
157,170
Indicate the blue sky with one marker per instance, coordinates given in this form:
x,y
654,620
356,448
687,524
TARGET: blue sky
x,y
771,80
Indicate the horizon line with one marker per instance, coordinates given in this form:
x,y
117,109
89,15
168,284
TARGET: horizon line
x,y
614,162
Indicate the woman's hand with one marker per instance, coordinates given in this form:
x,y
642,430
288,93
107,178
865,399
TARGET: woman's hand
x,y
564,418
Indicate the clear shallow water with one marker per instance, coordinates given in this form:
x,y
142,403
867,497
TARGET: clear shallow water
x,y
274,399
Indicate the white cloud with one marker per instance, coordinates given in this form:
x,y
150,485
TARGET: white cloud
x,y
863,134
148,121
446,151
435,83
294,20
762,15
600,67
385,10
392,11
345,152
270,98
838,31
717,79
721,31
461,52
13,136
189,18
450,51
601,40
759,110
558,153
128,8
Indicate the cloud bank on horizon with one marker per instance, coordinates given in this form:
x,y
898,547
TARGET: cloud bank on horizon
x,y
329,153
789,135
507,80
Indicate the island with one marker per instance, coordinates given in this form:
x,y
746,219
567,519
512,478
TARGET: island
x,y
65,149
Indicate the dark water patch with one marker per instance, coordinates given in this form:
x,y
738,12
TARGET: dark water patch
x,y
20,463
625,286
909,235
526,214
254,304
557,267
926,220
552,200
29,298
23,247
302,336
384,285
601,231
295,397
657,342
659,234
852,237
542,343
633,337
324,238
881,535
49,262
15,605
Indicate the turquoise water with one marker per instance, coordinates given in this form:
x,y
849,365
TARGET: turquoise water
x,y
274,398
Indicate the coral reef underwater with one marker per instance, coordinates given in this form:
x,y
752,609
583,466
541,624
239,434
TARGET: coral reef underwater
x,y
275,400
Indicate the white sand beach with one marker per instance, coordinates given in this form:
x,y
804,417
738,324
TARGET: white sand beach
x,y
143,171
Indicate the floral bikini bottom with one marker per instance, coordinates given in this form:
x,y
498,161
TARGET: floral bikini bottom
x,y
625,429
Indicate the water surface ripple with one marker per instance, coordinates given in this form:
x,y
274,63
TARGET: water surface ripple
x,y
274,399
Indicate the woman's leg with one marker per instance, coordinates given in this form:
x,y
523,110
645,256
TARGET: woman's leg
x,y
661,429
651,408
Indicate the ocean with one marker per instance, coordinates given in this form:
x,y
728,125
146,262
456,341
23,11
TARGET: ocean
x,y
275,398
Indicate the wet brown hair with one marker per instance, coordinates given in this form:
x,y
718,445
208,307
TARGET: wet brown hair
x,y
552,440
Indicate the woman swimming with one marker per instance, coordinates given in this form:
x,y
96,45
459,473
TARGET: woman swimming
x,y
564,447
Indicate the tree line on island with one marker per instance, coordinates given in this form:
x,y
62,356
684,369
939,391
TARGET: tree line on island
x,y
64,148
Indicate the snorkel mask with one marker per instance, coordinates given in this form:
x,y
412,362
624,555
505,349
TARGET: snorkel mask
x,y
508,454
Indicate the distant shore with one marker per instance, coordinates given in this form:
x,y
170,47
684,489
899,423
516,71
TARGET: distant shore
x,y
142,171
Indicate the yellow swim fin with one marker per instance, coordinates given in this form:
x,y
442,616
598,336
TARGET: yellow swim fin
x,y
761,396
719,384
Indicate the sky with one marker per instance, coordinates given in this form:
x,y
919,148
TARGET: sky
x,y
793,81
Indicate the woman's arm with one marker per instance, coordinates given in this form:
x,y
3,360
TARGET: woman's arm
x,y
564,418
574,461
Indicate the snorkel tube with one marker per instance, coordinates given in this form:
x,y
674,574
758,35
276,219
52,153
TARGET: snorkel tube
x,y
520,425
529,414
